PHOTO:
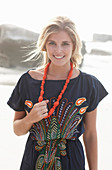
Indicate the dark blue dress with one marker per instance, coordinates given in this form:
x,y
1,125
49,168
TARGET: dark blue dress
x,y
53,143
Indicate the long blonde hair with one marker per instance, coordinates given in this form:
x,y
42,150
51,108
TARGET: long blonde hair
x,y
58,24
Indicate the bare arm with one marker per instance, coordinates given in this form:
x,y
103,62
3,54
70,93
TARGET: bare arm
x,y
22,122
90,139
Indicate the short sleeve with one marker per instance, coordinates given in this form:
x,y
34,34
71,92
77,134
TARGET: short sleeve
x,y
16,101
98,92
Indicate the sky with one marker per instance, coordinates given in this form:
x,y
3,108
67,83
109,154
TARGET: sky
x,y
90,16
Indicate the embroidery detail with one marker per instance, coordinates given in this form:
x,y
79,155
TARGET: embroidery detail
x,y
40,145
83,110
51,133
52,150
40,162
28,103
80,101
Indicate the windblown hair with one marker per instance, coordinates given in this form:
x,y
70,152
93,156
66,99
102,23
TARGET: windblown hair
x,y
60,23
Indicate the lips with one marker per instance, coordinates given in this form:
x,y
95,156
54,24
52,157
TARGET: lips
x,y
58,57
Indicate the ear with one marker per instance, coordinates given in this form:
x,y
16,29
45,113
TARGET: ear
x,y
44,49
73,48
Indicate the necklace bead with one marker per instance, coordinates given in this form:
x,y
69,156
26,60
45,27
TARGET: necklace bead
x,y
56,103
40,99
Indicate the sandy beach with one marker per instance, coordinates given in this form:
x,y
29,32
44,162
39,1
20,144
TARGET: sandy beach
x,y
12,146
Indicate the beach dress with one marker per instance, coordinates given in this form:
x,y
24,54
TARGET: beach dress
x,y
53,143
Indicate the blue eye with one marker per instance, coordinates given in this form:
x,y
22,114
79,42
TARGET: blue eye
x,y
52,43
65,43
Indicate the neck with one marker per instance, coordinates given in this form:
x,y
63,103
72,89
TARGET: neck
x,y
58,71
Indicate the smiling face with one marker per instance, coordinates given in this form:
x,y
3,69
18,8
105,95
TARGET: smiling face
x,y
59,48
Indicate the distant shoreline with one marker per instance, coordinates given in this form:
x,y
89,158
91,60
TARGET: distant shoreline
x,y
9,76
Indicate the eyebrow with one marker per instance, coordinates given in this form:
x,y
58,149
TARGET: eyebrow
x,y
62,41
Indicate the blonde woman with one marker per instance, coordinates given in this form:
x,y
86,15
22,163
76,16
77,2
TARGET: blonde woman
x,y
57,104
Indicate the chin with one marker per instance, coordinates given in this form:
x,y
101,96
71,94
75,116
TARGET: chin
x,y
60,63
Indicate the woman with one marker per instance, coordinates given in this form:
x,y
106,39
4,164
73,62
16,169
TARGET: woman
x,y
56,103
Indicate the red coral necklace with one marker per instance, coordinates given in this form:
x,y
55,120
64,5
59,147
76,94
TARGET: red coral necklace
x,y
40,99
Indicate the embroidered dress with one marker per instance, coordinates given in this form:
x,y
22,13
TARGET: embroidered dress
x,y
53,143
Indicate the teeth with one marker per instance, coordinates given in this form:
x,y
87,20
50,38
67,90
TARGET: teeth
x,y
59,57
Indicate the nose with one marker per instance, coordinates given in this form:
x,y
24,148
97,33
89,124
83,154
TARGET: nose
x,y
58,49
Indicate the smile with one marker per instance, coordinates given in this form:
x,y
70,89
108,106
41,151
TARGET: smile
x,y
59,57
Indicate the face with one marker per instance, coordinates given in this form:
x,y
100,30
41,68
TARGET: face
x,y
59,48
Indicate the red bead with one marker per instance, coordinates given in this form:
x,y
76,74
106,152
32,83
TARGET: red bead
x,y
67,81
42,92
40,99
51,111
60,96
54,107
42,89
70,74
48,116
43,82
64,88
56,103
71,65
62,91
44,77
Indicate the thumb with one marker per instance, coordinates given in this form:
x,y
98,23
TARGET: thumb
x,y
46,101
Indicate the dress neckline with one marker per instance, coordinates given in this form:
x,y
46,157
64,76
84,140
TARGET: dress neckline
x,y
49,80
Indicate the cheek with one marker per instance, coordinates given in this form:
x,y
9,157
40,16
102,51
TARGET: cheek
x,y
49,49
68,50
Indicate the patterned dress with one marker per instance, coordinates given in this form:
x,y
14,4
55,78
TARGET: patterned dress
x,y
53,143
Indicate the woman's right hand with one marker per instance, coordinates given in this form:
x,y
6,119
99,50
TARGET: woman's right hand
x,y
39,111
23,123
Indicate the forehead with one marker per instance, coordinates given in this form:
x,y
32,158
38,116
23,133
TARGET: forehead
x,y
61,35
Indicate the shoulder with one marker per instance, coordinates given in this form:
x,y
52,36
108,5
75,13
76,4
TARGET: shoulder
x,y
28,78
93,84
36,74
88,77
89,81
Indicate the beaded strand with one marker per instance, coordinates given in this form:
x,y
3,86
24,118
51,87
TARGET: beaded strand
x,y
40,99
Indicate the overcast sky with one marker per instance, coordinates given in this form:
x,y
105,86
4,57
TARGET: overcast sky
x,y
90,16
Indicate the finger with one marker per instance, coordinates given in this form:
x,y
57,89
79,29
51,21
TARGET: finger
x,y
45,115
42,108
47,101
44,111
39,108
43,103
